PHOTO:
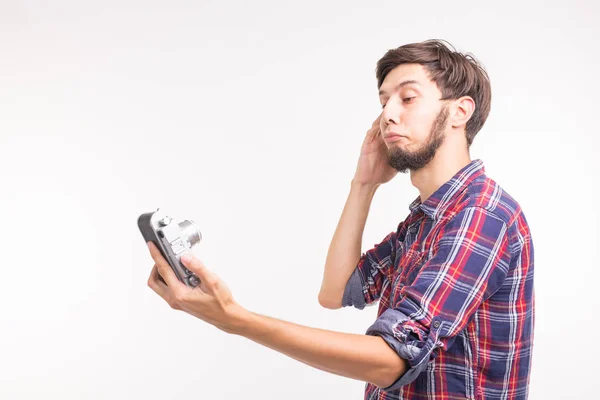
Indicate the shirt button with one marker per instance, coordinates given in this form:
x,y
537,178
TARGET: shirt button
x,y
436,324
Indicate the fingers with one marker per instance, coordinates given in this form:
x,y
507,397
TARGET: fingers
x,y
208,278
377,120
373,133
163,267
375,129
155,283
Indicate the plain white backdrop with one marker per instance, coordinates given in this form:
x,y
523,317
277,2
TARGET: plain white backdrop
x,y
247,117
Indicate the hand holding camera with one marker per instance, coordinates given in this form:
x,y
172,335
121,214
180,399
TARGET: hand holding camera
x,y
180,278
173,239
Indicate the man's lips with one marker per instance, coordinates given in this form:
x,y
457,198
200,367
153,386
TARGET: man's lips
x,y
392,137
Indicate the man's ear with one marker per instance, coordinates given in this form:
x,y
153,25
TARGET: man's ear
x,y
462,111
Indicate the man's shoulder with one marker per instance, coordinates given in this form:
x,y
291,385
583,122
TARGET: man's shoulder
x,y
486,194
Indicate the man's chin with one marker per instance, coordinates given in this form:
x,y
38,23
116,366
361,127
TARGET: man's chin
x,y
404,166
400,167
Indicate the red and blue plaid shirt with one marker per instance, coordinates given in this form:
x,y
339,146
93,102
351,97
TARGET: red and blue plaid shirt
x,y
455,290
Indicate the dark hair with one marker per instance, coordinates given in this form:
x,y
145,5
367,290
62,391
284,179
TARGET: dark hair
x,y
454,73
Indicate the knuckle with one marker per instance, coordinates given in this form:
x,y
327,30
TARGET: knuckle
x,y
212,282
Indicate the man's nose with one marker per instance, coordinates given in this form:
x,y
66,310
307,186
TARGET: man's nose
x,y
391,112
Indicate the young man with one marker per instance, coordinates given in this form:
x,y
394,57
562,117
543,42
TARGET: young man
x,y
454,281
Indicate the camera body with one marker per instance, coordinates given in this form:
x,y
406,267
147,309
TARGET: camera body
x,y
173,239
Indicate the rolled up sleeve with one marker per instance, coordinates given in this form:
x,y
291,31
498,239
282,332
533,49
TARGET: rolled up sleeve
x,y
415,346
469,262
366,282
353,294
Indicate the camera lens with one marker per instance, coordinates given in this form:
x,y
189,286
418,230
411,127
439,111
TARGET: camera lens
x,y
193,280
190,232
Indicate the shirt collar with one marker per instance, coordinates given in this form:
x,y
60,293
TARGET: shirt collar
x,y
441,198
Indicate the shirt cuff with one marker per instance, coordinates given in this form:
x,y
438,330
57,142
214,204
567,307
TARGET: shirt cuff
x,y
410,343
353,293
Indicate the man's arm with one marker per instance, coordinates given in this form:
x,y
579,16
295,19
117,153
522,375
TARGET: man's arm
x,y
469,263
345,248
366,358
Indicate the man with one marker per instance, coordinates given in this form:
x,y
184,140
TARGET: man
x,y
454,281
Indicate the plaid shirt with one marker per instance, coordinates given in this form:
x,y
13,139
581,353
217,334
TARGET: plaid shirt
x,y
455,290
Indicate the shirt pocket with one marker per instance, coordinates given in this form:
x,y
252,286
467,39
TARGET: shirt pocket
x,y
414,265
407,269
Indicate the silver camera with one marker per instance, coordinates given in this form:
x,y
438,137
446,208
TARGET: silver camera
x,y
173,239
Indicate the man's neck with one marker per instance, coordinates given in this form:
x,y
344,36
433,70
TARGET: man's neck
x,y
439,171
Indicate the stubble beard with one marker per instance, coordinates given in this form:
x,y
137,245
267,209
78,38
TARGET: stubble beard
x,y
404,161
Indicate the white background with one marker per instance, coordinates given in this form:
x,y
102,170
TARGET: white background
x,y
247,117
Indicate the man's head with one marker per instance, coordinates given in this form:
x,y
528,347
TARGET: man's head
x,y
430,94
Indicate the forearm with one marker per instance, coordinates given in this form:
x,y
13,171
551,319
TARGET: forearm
x,y
361,357
345,248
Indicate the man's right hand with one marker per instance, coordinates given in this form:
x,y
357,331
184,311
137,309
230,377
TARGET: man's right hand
x,y
373,167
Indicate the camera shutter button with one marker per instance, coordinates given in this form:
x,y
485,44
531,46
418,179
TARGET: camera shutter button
x,y
165,221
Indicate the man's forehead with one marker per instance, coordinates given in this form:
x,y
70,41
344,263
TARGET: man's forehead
x,y
404,75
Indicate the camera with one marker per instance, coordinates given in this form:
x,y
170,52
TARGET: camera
x,y
173,239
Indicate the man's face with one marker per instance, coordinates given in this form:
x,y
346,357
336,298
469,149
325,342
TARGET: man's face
x,y
411,109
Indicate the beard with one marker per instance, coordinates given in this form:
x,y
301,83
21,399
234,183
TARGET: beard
x,y
403,160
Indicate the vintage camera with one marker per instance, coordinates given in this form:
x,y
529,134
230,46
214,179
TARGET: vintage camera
x,y
173,239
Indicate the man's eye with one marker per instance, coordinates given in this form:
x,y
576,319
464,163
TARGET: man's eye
x,y
406,100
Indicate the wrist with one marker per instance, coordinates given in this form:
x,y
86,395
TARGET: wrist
x,y
364,187
238,319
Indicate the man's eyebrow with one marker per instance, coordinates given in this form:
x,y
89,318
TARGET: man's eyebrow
x,y
401,84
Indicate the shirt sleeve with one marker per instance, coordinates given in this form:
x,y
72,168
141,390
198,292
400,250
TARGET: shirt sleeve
x,y
366,282
469,262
